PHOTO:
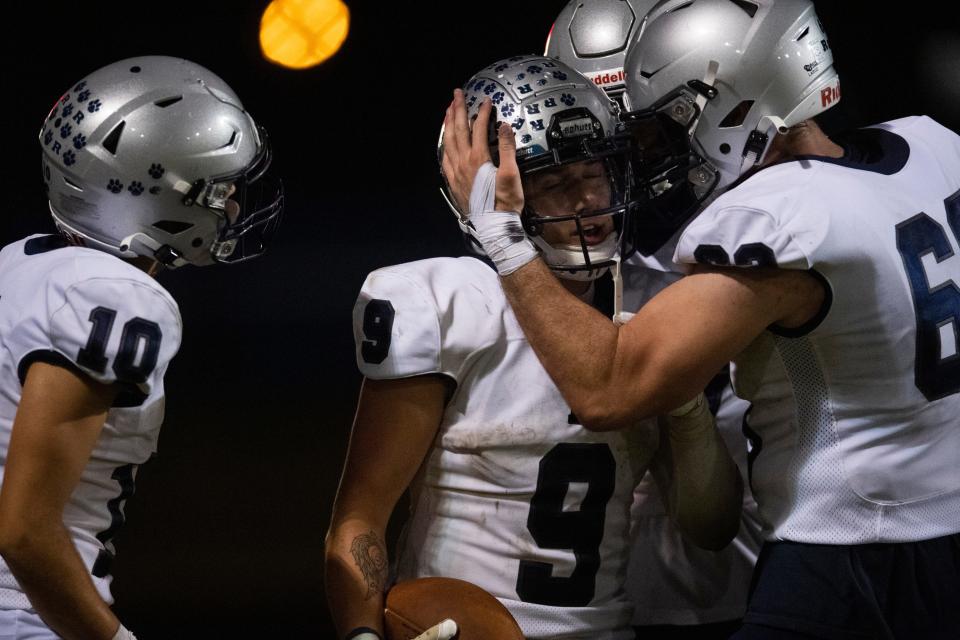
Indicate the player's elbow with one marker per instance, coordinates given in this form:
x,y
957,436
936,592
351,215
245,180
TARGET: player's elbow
x,y
715,527
612,410
603,418
713,537
17,538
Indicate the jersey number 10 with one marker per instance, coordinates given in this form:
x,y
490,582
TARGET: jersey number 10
x,y
136,332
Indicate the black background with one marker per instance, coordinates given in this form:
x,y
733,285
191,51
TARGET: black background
x,y
225,534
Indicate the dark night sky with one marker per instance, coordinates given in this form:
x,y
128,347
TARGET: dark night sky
x,y
225,534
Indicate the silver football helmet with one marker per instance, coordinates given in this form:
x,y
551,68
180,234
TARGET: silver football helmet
x,y
709,82
559,118
155,156
592,37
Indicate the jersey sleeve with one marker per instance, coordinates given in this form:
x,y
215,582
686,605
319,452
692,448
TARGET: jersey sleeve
x,y
396,327
116,331
750,237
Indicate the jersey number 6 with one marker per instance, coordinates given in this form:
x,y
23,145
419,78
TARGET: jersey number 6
x,y
937,309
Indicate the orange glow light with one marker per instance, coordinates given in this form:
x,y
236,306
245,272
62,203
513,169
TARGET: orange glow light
x,y
303,33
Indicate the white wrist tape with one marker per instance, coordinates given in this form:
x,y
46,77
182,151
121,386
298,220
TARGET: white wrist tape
x,y
500,232
484,190
124,634
446,630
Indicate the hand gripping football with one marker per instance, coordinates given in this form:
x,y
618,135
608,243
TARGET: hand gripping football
x,y
415,605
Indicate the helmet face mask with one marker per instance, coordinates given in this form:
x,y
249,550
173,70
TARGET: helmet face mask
x,y
672,181
250,203
562,122
155,157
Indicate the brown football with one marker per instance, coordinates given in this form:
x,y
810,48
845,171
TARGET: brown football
x,y
414,606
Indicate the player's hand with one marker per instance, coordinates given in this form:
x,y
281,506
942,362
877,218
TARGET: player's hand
x,y
465,149
509,194
445,630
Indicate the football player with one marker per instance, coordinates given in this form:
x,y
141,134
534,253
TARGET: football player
x,y
508,490
678,588
827,269
86,331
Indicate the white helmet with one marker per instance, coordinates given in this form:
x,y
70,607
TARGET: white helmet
x,y
559,117
592,37
155,156
709,82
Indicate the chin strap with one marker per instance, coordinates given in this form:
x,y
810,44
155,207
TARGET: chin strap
x,y
711,76
620,317
163,254
756,145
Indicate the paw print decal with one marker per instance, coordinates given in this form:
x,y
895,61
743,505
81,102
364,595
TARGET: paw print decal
x,y
66,130
67,110
559,75
136,188
80,86
534,68
526,138
47,137
521,76
487,90
497,98
156,171
115,186
94,106
69,157
507,110
83,96
472,101
500,67
568,99
79,141
541,82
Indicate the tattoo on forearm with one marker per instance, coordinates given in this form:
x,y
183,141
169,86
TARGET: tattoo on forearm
x,y
370,554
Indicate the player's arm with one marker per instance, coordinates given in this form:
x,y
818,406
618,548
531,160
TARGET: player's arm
x,y
698,480
395,425
666,354
58,421
612,376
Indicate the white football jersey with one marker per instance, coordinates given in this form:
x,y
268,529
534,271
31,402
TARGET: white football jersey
x,y
514,496
670,580
91,312
854,423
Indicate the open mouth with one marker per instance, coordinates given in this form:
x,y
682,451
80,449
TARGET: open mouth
x,y
594,233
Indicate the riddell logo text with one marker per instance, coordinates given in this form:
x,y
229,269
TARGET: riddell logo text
x,y
609,77
829,95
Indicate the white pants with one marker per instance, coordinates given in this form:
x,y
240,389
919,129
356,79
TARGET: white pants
x,y
17,624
